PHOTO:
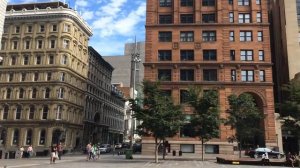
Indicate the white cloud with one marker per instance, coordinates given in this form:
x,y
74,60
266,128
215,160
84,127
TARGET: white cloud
x,y
88,15
82,3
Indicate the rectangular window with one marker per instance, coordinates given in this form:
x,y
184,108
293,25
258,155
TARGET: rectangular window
x,y
31,113
246,55
38,60
51,59
245,35
66,43
29,29
164,55
258,17
62,76
187,36
165,19
15,45
247,75
233,75
244,18
45,113
186,2
262,76
187,75
261,55
165,3
10,77
231,17
230,2
5,113
232,55
231,36
210,75
67,28
165,36
3,45
54,28
39,44
59,112
25,60
209,55
208,18
52,43
164,74
259,36
186,18
42,28
17,29
49,76
208,2
258,2
209,36
243,2
36,76
23,77
183,96
13,60
18,113
186,55
27,44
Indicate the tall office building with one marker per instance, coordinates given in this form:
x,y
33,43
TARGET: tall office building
x,y
43,76
223,45
3,4
286,50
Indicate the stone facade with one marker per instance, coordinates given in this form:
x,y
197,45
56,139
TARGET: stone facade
x,y
43,76
3,4
104,112
212,44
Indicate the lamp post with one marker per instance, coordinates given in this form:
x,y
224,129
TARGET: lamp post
x,y
135,60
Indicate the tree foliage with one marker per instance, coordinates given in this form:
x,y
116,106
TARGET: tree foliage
x,y
244,117
160,117
206,120
290,108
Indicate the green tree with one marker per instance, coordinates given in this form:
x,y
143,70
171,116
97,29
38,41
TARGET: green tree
x,y
290,108
244,117
206,120
160,117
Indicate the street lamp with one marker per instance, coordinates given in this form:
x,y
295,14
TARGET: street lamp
x,y
135,60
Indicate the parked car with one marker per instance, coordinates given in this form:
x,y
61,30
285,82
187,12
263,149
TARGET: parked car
x,y
258,152
137,147
118,145
125,145
105,148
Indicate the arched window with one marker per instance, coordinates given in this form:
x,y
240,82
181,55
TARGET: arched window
x,y
18,112
33,94
31,112
28,137
15,139
21,93
59,112
5,112
45,112
42,137
47,93
60,93
8,93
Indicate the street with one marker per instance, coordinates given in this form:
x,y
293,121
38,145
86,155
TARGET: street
x,y
110,161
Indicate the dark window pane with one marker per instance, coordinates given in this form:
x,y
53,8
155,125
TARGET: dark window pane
x,y
209,18
165,19
210,55
187,18
187,55
210,75
165,36
164,74
164,55
187,75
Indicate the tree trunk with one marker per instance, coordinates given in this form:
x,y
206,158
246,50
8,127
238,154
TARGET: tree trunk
x,y
202,145
156,151
240,149
164,150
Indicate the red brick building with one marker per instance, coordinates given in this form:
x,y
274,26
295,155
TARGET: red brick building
x,y
220,44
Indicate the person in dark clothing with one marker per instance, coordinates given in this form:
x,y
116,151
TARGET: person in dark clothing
x,y
53,154
60,150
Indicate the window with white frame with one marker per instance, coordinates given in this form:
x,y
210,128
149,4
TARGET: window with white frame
x,y
64,59
262,76
259,36
247,75
231,36
209,36
54,27
187,36
66,43
246,55
258,17
243,2
261,55
60,93
245,35
231,17
62,76
244,18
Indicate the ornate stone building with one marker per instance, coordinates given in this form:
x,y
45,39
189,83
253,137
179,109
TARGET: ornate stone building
x,y
43,76
104,112
3,4
224,45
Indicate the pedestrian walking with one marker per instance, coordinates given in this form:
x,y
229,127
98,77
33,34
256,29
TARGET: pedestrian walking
x,y
29,151
89,151
53,155
60,150
21,152
98,152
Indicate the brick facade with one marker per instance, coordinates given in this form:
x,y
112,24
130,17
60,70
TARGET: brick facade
x,y
261,87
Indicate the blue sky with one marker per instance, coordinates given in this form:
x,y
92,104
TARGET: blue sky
x,y
114,22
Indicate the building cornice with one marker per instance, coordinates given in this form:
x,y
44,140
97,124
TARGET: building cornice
x,y
49,13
